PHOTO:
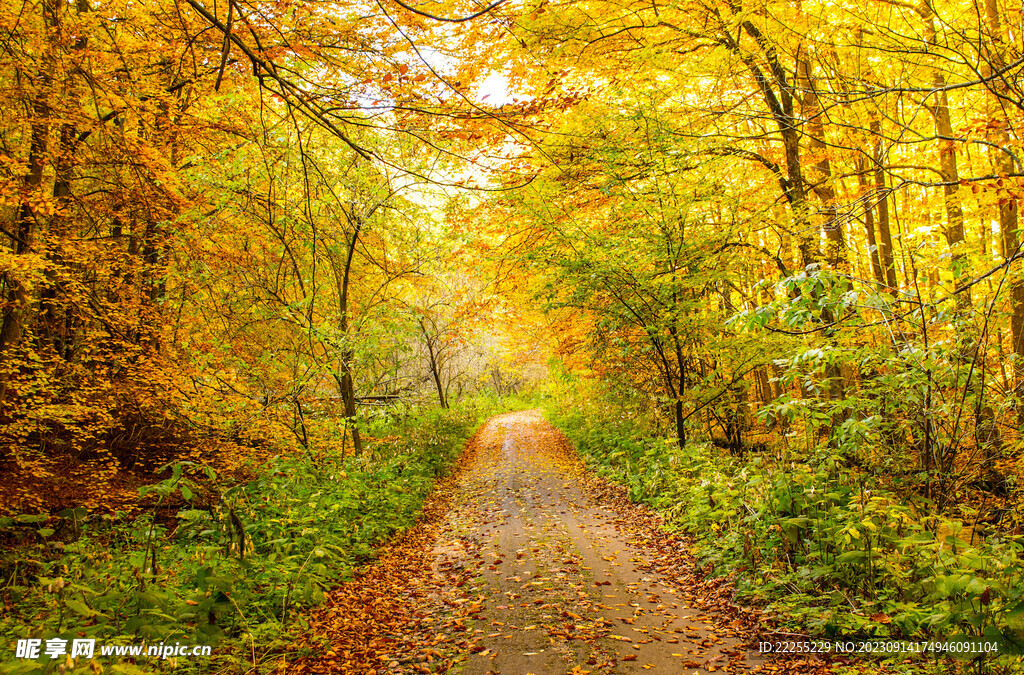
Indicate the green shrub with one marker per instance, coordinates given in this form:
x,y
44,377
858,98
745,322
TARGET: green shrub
x,y
228,565
827,551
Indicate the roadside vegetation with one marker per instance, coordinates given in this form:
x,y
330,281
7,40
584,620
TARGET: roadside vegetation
x,y
232,561
828,550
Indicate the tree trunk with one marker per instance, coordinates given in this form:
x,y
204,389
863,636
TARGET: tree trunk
x,y
954,230
822,170
885,251
435,366
348,398
13,325
869,226
1009,222
680,423
348,389
17,293
17,302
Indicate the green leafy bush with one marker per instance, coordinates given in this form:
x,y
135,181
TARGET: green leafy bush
x,y
224,565
824,548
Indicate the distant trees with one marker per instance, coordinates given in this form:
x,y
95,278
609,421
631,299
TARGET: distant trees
x,y
626,232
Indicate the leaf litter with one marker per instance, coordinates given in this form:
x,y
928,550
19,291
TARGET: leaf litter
x,y
524,561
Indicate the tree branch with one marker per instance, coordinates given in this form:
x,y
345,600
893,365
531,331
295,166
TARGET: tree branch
x,y
483,11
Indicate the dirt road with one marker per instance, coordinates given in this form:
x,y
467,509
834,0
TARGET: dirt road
x,y
528,563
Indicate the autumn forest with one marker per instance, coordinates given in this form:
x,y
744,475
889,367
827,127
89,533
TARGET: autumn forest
x,y
749,269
